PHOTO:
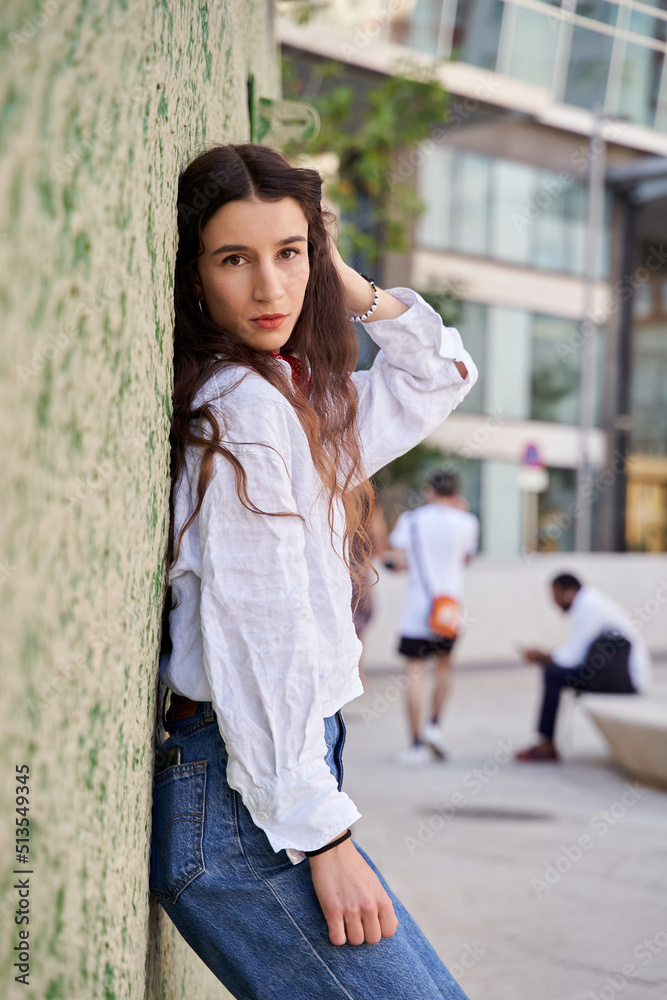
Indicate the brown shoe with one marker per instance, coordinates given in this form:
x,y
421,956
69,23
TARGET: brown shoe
x,y
541,751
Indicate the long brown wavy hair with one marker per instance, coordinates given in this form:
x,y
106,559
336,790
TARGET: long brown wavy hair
x,y
323,339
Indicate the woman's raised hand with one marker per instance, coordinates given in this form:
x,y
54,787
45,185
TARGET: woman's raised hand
x,y
358,293
354,903
339,263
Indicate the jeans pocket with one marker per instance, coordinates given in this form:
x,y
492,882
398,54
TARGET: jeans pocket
x,y
177,855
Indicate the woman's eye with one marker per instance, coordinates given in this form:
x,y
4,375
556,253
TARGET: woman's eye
x,y
234,259
289,250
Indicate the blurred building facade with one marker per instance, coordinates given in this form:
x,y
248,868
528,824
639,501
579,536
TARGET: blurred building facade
x,y
505,181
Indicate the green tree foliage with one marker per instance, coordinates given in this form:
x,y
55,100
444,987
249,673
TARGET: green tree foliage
x,y
410,469
368,127
554,391
447,304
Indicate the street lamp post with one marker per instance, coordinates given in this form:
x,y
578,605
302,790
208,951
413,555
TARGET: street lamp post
x,y
596,189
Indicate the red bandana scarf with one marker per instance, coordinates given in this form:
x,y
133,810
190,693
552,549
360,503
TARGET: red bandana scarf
x,y
294,364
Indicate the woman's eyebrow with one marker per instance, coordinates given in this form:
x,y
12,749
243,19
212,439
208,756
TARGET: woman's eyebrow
x,y
238,248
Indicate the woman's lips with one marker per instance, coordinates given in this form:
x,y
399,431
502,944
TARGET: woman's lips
x,y
271,321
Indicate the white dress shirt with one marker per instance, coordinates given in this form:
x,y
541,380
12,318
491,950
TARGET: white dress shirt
x,y
445,537
264,627
593,613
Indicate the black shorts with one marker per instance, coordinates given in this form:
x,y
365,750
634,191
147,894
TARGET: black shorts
x,y
421,649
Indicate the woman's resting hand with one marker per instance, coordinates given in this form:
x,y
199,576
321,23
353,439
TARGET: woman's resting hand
x,y
353,900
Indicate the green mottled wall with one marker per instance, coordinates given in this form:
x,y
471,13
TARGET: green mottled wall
x,y
101,101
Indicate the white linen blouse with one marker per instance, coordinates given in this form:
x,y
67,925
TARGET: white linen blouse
x,y
263,627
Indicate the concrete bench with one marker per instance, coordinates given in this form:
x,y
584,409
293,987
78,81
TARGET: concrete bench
x,y
635,727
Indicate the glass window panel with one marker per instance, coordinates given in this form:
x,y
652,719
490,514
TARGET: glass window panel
x,y
556,370
599,348
555,520
435,189
649,388
550,245
644,24
460,22
472,327
640,79
603,263
589,65
481,32
575,207
598,10
471,207
423,26
642,301
533,47
657,30
510,224
508,361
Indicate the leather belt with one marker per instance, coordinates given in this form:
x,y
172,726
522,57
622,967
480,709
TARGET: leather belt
x,y
181,708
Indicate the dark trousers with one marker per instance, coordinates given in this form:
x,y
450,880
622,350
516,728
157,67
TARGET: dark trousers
x,y
604,670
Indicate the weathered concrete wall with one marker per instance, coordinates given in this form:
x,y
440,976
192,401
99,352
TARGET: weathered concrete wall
x,y
102,101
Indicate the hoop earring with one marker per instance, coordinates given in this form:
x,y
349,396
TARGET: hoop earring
x,y
201,306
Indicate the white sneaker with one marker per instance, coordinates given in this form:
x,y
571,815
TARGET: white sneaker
x,y
415,756
435,740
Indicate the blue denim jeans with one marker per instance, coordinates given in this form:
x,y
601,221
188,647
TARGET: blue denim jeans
x,y
246,910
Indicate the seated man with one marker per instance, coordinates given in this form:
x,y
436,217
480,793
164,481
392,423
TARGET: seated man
x,y
603,654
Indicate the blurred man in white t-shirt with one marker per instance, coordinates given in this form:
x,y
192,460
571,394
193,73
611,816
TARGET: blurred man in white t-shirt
x,y
604,653
436,541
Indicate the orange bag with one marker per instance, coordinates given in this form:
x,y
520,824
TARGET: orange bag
x,y
446,614
445,617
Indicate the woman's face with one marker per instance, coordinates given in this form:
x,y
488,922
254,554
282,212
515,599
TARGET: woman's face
x,y
254,270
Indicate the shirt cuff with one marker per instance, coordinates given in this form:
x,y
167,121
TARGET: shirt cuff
x,y
296,857
562,658
418,342
301,809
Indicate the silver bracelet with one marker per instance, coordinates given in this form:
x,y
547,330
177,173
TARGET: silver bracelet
x,y
359,319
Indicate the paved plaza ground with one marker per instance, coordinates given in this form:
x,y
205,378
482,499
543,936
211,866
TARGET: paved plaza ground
x,y
533,881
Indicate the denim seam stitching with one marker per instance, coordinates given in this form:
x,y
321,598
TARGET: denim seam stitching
x,y
237,826
194,766
201,866
194,728
314,950
267,883
201,824
179,818
177,889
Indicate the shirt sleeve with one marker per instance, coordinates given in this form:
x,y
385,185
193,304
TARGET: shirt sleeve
x,y
400,534
585,627
474,536
413,384
260,639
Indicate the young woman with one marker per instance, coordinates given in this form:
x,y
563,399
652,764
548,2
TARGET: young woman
x,y
274,436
